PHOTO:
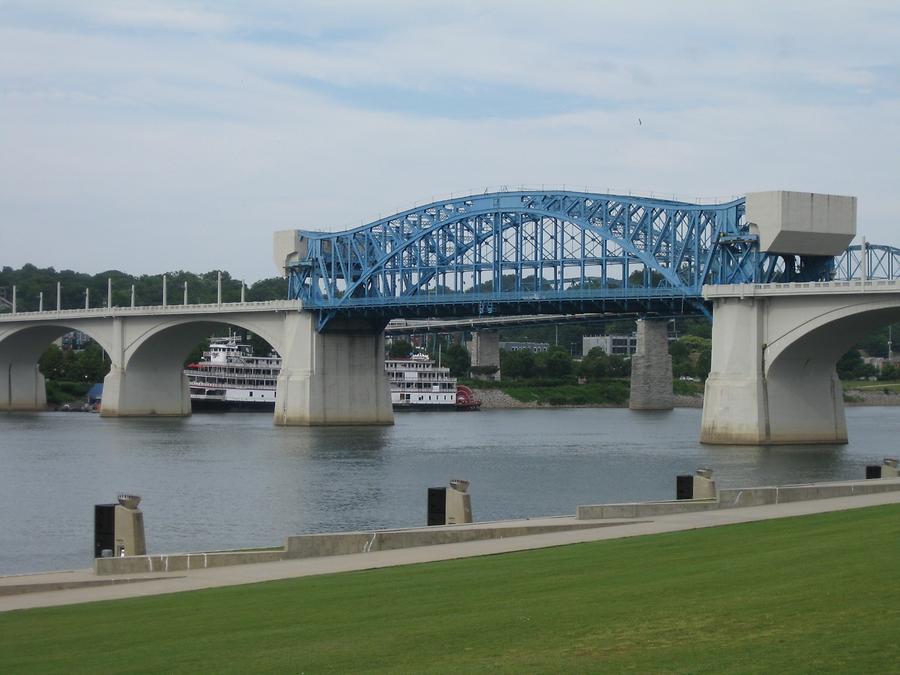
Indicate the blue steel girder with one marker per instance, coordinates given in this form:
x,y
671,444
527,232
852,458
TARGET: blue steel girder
x,y
549,247
881,262
554,251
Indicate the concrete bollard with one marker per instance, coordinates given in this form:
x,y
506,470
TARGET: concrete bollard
x,y
119,528
888,469
699,486
450,505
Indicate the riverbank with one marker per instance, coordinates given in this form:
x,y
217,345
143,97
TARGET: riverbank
x,y
613,605
497,399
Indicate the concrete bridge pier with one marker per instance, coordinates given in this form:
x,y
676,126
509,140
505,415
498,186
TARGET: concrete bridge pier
x,y
651,367
333,378
486,351
765,390
142,392
152,382
22,387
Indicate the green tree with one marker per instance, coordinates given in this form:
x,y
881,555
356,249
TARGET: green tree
x,y
51,363
851,366
889,372
594,364
691,356
457,359
597,365
554,363
399,349
92,363
518,364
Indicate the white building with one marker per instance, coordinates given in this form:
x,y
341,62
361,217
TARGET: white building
x,y
620,345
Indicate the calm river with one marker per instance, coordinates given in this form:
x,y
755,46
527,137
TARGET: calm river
x,y
234,480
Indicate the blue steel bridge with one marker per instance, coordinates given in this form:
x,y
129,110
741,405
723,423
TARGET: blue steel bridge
x,y
533,252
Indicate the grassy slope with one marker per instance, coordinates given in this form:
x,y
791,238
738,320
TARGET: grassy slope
x,y
612,391
605,392
814,594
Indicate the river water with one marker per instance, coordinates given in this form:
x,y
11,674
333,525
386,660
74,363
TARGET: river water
x,y
212,482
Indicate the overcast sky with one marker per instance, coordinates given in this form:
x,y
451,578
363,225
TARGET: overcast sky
x,y
151,136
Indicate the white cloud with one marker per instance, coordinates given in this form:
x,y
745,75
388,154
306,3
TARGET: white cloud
x,y
184,143
166,16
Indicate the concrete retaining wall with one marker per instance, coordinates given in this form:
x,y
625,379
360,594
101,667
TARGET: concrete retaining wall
x,y
644,509
317,545
342,543
797,493
740,497
179,562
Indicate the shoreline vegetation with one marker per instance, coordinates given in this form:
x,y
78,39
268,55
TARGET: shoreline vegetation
x,y
614,394
611,393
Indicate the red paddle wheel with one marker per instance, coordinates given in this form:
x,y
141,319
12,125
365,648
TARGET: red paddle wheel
x,y
465,398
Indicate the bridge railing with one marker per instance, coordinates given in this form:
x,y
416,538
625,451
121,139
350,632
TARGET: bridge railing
x,y
203,308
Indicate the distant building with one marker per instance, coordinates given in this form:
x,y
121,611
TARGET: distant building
x,y
620,345
74,340
536,347
877,362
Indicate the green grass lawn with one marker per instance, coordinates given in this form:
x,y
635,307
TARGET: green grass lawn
x,y
815,594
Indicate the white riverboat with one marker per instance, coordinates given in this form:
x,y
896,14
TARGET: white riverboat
x,y
418,384
230,377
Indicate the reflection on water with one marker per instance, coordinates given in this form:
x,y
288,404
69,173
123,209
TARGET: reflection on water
x,y
235,480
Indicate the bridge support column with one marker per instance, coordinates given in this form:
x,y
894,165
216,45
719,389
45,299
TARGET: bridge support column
x,y
651,367
748,401
150,385
22,387
138,392
486,352
334,378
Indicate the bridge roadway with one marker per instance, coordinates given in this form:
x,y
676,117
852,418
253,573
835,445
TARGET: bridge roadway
x,y
419,326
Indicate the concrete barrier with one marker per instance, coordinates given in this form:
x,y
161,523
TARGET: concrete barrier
x,y
318,545
180,562
742,497
340,543
644,509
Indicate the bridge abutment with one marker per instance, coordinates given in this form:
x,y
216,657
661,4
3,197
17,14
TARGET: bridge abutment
x,y
334,378
651,367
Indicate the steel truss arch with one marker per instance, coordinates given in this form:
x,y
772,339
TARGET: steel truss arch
x,y
545,251
512,248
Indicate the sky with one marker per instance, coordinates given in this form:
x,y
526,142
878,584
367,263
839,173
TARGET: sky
x,y
156,136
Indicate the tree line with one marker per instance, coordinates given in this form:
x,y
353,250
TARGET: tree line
x,y
30,281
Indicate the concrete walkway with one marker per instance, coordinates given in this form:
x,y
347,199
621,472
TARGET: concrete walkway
x,y
66,588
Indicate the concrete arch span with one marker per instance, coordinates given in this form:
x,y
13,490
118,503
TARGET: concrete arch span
x,y
326,379
773,378
147,377
22,385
